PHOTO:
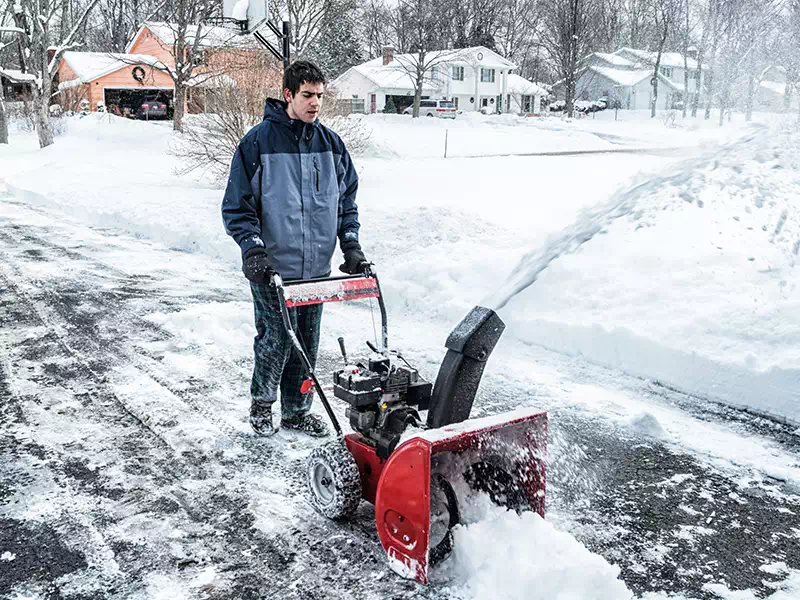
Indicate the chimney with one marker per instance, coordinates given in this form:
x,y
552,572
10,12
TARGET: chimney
x,y
691,52
51,52
388,54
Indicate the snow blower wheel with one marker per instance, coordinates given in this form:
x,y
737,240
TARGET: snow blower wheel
x,y
444,516
333,481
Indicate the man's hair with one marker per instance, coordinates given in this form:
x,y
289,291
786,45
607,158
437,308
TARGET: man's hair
x,y
300,72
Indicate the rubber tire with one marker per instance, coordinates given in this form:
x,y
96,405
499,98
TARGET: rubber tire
x,y
445,547
346,480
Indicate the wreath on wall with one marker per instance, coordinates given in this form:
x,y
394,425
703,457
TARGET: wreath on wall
x,y
138,74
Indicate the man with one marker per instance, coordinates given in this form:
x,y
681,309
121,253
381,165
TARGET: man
x,y
291,193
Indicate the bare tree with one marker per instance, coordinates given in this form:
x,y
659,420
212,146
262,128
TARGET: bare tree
x,y
40,51
567,36
421,23
664,15
376,23
790,55
519,23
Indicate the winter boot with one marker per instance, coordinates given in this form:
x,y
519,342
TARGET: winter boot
x,y
310,424
261,419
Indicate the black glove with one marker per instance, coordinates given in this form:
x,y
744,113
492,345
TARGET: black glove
x,y
355,263
256,266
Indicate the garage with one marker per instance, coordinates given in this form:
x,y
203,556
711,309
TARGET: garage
x,y
140,102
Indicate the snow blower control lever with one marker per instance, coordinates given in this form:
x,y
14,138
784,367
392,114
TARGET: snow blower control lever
x,y
384,397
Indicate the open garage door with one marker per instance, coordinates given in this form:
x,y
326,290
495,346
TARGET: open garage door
x,y
140,103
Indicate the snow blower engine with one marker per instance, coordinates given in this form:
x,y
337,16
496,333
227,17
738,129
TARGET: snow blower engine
x,y
411,469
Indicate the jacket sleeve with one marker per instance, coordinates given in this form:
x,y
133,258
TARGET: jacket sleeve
x,y
348,186
242,201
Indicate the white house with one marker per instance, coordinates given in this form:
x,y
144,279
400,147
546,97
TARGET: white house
x,y
625,78
473,78
771,92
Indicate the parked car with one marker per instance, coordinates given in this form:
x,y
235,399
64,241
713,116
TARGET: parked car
x,y
444,109
152,108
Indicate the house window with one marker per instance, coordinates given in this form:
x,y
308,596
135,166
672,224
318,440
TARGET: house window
x,y
200,58
457,73
435,73
487,75
527,106
666,72
694,76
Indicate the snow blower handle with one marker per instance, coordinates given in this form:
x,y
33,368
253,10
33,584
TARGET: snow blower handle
x,y
318,291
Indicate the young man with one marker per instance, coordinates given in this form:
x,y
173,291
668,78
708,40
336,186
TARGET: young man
x,y
291,193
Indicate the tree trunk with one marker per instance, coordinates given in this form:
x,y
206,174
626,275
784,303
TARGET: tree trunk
x,y
751,92
655,92
179,101
685,84
41,113
709,95
3,117
698,84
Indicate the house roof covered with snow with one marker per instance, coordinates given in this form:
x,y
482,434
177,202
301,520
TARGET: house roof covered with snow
x,y
612,59
523,87
210,36
776,87
89,66
623,77
477,55
668,59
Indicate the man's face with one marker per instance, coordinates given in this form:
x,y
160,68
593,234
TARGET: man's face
x,y
306,103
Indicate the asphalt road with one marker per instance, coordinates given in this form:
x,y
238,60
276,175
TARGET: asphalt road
x,y
105,494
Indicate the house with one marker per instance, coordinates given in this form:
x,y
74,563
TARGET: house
x,y
625,77
473,78
17,86
771,92
123,80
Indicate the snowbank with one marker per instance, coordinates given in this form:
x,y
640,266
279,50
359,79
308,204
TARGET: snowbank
x,y
689,278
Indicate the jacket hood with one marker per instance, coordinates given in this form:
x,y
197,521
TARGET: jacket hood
x,y
275,110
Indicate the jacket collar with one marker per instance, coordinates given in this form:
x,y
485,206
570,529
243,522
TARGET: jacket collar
x,y
275,111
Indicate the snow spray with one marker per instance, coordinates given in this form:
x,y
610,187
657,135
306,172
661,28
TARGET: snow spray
x,y
591,223
594,221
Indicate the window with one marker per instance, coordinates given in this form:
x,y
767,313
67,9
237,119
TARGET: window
x,y
435,73
427,103
487,75
457,73
666,72
694,76
455,103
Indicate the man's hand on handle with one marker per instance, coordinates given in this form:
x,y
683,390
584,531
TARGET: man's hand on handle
x,y
355,263
256,266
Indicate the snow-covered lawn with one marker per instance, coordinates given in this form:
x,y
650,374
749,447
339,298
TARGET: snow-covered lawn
x,y
677,267
691,279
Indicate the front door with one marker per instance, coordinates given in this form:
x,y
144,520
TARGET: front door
x,y
373,103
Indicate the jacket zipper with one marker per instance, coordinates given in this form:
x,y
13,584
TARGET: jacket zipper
x,y
316,173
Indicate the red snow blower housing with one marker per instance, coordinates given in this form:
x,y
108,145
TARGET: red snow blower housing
x,y
417,473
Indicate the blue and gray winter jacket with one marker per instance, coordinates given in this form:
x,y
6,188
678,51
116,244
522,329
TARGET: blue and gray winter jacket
x,y
292,190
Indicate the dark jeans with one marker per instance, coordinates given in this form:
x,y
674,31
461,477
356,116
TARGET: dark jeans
x,y
277,364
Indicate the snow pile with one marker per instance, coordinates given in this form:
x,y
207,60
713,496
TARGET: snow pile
x,y
689,278
523,557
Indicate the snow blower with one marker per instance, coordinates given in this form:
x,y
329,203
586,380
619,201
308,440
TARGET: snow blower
x,y
411,469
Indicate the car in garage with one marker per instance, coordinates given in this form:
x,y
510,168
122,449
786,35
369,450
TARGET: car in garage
x,y
152,107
